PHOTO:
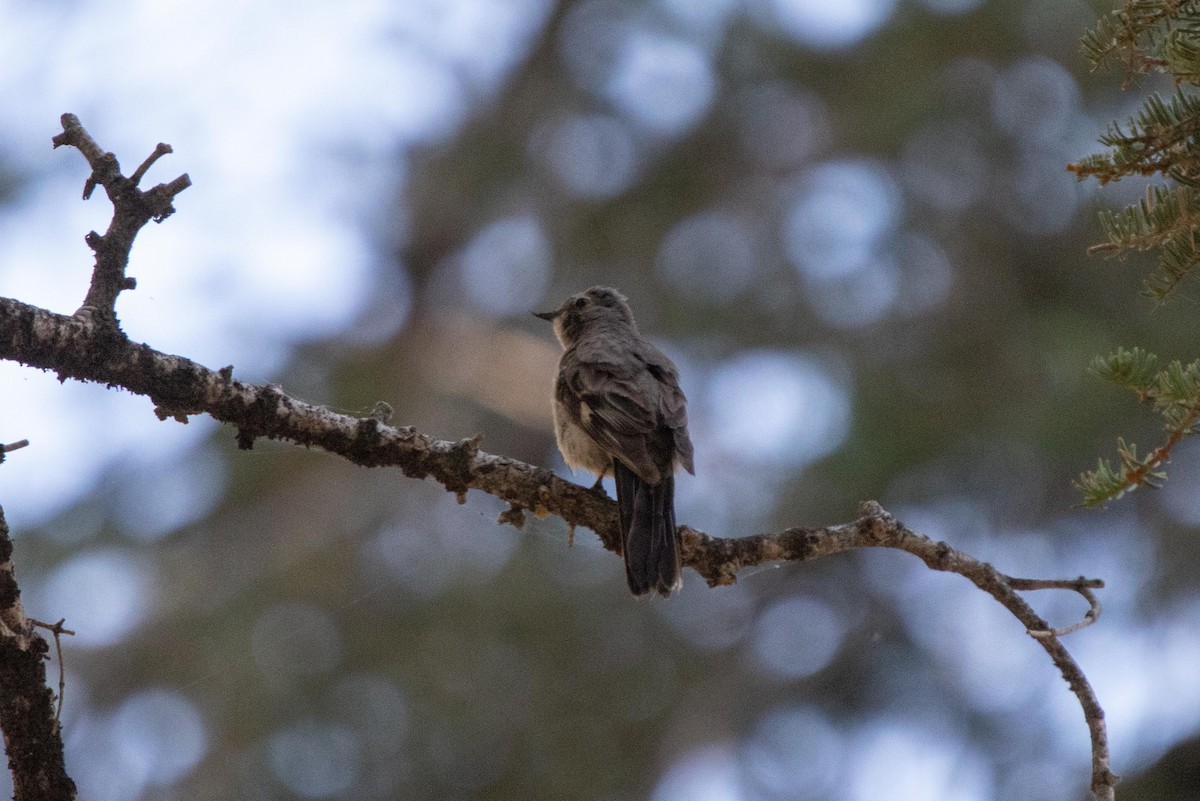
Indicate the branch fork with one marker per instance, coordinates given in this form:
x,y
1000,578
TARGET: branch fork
x,y
132,209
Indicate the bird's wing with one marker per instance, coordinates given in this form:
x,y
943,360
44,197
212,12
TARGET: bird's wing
x,y
631,405
616,402
672,404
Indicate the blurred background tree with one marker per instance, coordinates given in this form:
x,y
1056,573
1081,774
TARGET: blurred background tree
x,y
850,225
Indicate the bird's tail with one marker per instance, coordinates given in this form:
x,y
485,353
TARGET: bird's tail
x,y
649,539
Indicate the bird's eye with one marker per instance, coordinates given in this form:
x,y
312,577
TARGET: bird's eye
x,y
580,303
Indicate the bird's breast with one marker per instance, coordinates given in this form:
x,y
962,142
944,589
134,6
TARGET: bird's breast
x,y
578,449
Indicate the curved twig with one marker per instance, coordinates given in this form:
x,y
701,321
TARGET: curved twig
x,y
1081,585
57,630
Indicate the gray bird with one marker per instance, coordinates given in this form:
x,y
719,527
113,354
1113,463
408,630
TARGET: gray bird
x,y
618,410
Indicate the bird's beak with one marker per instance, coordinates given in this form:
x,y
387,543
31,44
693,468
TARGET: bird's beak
x,y
550,315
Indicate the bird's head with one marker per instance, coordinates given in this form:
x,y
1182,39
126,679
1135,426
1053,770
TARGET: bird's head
x,y
596,306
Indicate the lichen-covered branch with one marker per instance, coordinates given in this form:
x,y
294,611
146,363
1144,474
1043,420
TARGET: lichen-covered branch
x,y
32,738
90,347
181,387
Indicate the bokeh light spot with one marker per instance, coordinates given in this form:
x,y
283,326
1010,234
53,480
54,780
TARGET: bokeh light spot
x,y
161,734
1180,497
780,126
412,559
592,156
374,707
944,166
442,548
665,84
1046,199
705,774
710,257
925,275
315,759
1036,99
778,408
710,621
838,217
856,299
797,637
824,25
184,490
837,228
903,761
591,38
506,264
105,594
794,752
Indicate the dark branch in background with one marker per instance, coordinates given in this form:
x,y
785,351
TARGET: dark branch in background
x,y
84,348
32,738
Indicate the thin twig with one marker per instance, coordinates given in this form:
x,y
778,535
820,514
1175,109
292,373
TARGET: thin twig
x,y
12,446
58,630
162,149
75,135
1081,585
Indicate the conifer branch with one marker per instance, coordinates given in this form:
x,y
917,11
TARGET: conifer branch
x,y
1175,394
1158,140
1163,139
1139,35
1166,219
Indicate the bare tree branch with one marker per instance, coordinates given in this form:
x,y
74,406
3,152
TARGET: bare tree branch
x,y
12,446
88,347
875,528
132,209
